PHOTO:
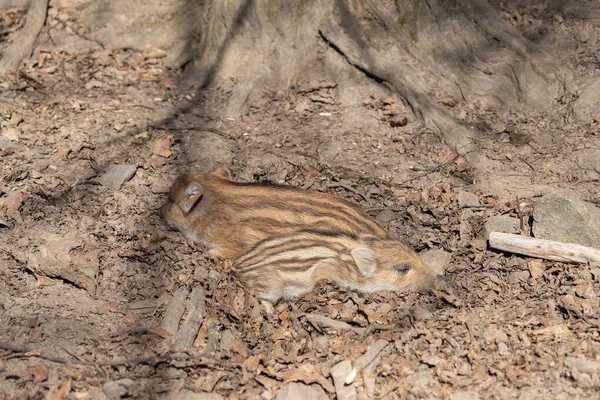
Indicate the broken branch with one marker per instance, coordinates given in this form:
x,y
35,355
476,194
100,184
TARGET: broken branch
x,y
200,360
546,249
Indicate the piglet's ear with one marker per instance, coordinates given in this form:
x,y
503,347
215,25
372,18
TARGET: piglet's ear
x,y
193,194
223,173
365,260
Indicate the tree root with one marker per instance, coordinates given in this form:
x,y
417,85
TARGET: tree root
x,y
23,45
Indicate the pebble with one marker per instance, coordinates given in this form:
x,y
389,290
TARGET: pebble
x,y
301,391
339,372
565,217
116,175
467,199
118,389
501,223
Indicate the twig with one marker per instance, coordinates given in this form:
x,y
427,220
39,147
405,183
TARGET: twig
x,y
371,329
464,177
200,360
320,320
348,188
22,46
81,35
546,249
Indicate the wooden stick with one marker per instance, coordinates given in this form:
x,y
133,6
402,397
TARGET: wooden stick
x,y
200,360
546,249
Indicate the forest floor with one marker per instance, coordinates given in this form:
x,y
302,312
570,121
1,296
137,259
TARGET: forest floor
x,y
88,268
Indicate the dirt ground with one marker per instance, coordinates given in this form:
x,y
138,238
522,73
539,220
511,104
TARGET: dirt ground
x,y
87,271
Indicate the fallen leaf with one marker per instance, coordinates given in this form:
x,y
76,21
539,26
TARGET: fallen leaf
x,y
154,53
107,308
447,297
59,393
12,202
43,280
39,372
536,268
561,330
162,147
144,77
378,319
308,374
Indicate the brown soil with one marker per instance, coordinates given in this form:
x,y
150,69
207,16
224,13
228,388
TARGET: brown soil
x,y
69,116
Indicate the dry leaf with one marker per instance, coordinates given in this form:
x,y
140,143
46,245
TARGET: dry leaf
x,y
378,319
39,372
162,147
447,297
107,308
308,374
12,202
59,393
43,280
154,53
561,330
536,268
144,77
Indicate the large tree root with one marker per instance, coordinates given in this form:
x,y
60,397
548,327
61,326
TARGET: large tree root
x,y
23,46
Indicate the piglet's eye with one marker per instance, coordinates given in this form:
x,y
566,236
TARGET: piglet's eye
x,y
401,269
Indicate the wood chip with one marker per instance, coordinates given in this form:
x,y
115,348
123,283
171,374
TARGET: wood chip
x,y
322,321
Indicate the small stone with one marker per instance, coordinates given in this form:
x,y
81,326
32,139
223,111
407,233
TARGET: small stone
x,y
116,175
464,369
118,389
421,314
398,120
565,217
321,344
5,143
589,159
438,260
201,272
339,373
493,334
301,391
583,365
467,199
385,217
503,349
432,361
12,133
501,223
93,84
160,187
